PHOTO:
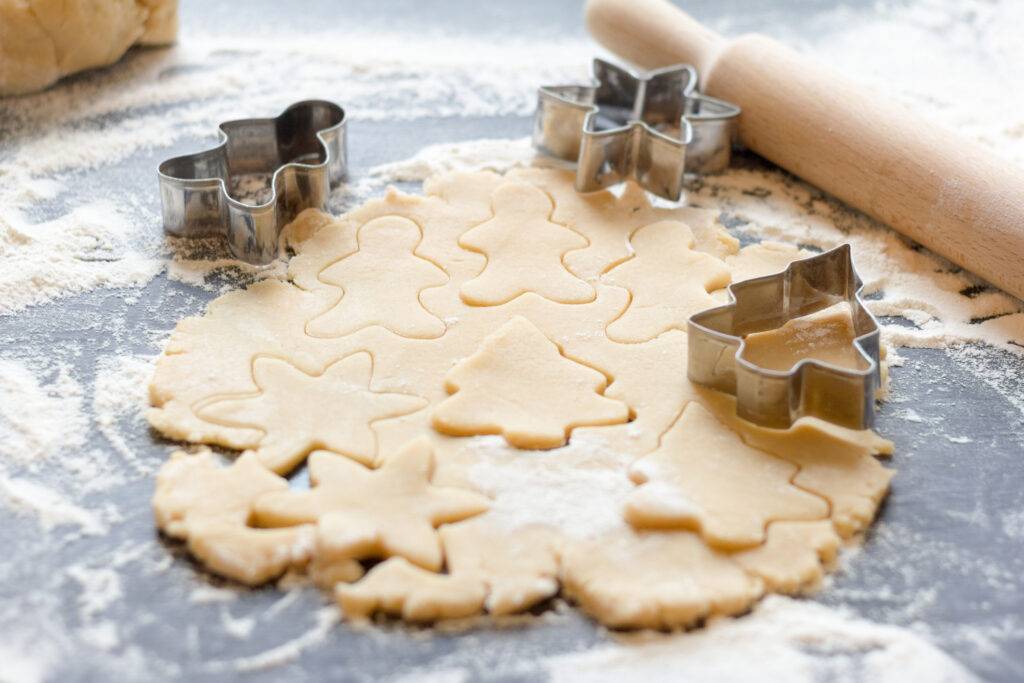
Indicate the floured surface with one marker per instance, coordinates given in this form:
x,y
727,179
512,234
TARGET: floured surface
x,y
946,565
527,352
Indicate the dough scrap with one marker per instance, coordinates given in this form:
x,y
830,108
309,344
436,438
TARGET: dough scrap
x,y
518,568
363,513
655,580
524,251
404,590
668,280
210,506
519,385
567,531
792,558
42,41
381,282
826,335
338,412
704,478
835,463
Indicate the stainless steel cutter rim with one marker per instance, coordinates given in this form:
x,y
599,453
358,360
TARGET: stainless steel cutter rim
x,y
194,190
221,146
870,375
635,122
664,129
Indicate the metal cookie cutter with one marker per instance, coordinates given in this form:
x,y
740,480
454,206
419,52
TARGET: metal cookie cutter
x,y
652,127
304,148
773,398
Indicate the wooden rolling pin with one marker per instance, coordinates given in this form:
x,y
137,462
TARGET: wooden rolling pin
x,y
929,183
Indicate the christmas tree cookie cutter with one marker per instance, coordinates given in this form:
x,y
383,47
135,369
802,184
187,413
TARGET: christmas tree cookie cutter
x,y
304,151
773,398
653,127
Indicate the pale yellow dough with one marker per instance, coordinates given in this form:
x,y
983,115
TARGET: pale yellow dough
x,y
519,385
826,335
337,410
703,477
363,513
210,506
425,346
44,40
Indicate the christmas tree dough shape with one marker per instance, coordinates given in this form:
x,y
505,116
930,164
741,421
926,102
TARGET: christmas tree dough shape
x,y
524,251
299,413
703,477
520,385
382,282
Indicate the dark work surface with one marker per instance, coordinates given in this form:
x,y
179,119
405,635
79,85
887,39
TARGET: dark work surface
x,y
941,555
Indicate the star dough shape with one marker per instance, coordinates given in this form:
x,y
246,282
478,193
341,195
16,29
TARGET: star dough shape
x,y
520,385
336,413
363,513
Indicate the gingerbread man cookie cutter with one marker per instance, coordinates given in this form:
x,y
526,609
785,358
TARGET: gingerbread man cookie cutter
x,y
653,127
773,398
303,150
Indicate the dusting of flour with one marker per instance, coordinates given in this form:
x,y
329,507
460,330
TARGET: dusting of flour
x,y
65,232
40,415
784,641
566,488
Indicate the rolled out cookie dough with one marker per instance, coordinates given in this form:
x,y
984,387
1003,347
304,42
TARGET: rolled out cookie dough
x,y
42,41
653,505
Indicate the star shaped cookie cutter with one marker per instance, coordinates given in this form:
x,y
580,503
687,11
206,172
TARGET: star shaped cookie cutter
x,y
773,398
304,150
653,127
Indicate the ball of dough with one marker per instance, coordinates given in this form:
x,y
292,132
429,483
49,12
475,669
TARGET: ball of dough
x,y
42,41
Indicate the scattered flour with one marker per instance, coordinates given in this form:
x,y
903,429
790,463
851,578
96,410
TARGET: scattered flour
x,y
236,627
910,415
20,666
784,640
325,620
39,416
121,392
99,588
79,251
51,508
205,594
475,155
570,488
1013,524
